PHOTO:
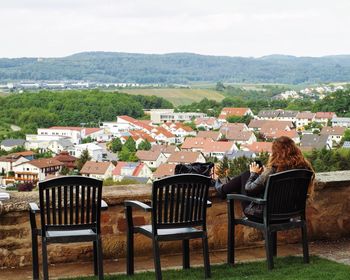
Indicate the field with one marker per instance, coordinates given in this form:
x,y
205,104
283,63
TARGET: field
x,y
178,96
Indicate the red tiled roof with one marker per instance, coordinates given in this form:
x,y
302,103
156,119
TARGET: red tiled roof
x,y
258,147
324,115
205,120
118,168
44,162
66,159
162,130
195,142
164,170
141,134
272,126
168,149
227,112
218,146
209,134
138,169
23,154
256,123
184,157
305,115
136,122
291,134
237,135
92,167
90,130
148,155
336,130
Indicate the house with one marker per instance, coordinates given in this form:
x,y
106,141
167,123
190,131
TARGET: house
x,y
164,170
195,144
258,147
240,137
67,160
37,169
303,119
313,141
269,128
343,122
133,124
287,115
292,134
8,162
168,115
255,124
230,112
97,134
214,135
96,152
131,170
115,128
163,136
179,130
186,157
97,170
335,133
74,133
151,158
217,149
9,144
268,115
139,136
57,146
26,154
324,117
167,150
207,123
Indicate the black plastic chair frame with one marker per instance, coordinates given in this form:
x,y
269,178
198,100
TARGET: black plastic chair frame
x,y
272,222
178,212
63,227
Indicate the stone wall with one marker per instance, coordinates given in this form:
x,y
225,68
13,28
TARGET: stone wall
x,y
328,217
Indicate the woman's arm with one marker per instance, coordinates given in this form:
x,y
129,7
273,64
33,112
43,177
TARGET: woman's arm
x,y
256,183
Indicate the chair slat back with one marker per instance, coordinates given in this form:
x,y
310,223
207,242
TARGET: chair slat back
x,y
180,201
70,202
286,193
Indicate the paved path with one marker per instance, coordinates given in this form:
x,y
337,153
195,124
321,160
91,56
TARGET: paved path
x,y
335,250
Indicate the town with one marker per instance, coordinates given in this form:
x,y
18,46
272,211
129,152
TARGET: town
x,y
139,151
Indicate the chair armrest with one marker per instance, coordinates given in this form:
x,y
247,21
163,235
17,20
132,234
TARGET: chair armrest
x,y
104,205
33,207
242,197
137,204
209,204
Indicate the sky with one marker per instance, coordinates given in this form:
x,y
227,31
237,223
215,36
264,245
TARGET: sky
x,y
249,28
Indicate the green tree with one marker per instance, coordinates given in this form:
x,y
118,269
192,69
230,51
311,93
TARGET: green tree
x,y
222,168
84,157
87,140
145,145
130,144
239,165
346,136
64,170
219,86
115,145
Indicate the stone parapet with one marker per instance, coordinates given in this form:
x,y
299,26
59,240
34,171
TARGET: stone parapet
x,y
328,213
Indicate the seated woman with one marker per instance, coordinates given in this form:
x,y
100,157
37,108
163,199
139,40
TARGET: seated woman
x,y
285,156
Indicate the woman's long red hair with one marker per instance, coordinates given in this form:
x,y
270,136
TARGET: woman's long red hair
x,y
286,155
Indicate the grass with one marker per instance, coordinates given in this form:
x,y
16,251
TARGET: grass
x,y
178,96
288,268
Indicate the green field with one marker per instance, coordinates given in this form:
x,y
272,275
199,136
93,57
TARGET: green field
x,y
179,96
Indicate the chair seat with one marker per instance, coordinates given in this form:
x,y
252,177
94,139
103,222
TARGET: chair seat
x,y
174,233
64,236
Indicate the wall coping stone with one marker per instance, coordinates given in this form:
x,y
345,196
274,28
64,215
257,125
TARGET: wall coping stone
x,y
115,195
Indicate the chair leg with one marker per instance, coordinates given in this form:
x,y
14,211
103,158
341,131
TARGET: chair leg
x,y
274,243
129,252
206,257
186,254
35,258
231,235
45,262
269,249
95,257
305,243
156,258
99,259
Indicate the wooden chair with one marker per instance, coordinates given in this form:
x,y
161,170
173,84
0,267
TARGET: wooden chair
x,y
69,210
283,209
178,212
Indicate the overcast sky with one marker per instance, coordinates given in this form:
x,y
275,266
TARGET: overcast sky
x,y
52,28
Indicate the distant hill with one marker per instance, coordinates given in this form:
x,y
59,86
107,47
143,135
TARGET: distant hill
x,y
178,68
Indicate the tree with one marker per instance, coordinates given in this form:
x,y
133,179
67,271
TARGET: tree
x,y
130,144
220,86
84,157
346,136
64,170
87,140
145,145
115,145
239,165
222,168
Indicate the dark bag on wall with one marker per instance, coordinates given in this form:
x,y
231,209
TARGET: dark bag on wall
x,y
196,168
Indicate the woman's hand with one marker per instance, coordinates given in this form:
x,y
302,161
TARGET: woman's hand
x,y
253,167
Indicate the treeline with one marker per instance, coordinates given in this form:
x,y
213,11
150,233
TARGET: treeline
x,y
178,68
70,108
338,102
